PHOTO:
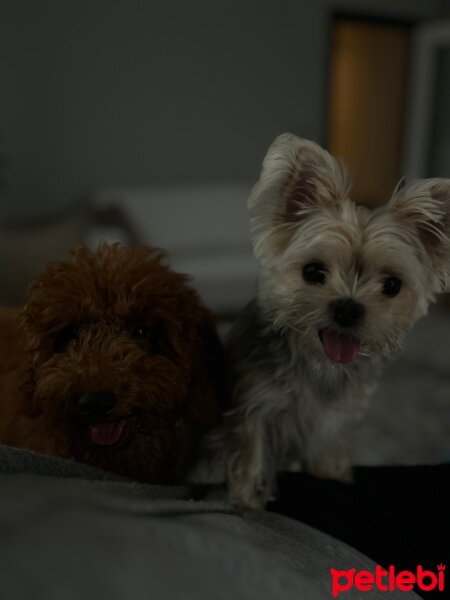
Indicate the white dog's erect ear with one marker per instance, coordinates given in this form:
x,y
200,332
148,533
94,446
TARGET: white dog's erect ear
x,y
425,204
297,177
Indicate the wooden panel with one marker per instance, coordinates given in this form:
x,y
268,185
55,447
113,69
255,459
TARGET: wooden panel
x,y
369,64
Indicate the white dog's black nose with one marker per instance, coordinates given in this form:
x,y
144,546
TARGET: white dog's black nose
x,y
347,312
97,406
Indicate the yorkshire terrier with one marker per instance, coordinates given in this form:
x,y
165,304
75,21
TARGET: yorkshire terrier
x,y
340,286
112,361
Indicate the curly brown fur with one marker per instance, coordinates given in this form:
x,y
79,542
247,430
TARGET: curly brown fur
x,y
119,322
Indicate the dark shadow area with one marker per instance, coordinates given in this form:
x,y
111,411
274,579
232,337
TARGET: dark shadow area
x,y
395,515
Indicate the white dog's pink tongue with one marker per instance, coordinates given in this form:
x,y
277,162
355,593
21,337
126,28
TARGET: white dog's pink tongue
x,y
340,348
107,434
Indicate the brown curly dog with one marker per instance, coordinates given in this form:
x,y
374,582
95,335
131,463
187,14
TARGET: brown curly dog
x,y
113,361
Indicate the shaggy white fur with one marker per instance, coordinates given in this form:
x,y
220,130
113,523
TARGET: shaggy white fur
x,y
340,286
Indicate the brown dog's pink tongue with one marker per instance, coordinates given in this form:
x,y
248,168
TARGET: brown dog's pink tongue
x,y
340,348
106,434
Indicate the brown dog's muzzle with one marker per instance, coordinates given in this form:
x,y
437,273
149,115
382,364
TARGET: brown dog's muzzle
x,y
97,406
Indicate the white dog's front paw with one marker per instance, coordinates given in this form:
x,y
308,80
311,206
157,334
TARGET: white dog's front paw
x,y
332,466
245,491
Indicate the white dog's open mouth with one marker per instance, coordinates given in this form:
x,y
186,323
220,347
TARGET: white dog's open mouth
x,y
338,347
107,434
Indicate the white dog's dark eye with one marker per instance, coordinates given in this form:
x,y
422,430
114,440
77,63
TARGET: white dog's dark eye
x,y
64,338
391,286
315,273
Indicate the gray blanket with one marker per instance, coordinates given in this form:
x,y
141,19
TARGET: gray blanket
x,y
69,531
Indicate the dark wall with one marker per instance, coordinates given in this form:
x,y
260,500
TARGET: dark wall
x,y
125,92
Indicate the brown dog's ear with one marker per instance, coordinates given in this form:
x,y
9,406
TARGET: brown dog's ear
x,y
425,205
297,177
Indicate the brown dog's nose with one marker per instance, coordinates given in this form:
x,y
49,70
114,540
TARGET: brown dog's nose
x,y
97,406
347,312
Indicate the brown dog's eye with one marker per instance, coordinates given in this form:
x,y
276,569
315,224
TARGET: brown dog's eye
x,y
144,336
64,338
152,338
141,333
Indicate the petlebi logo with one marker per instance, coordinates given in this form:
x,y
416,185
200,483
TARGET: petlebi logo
x,y
387,580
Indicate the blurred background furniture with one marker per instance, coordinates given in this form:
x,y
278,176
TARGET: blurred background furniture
x,y
204,227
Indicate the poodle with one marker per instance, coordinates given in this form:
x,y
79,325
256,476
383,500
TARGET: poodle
x,y
112,361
